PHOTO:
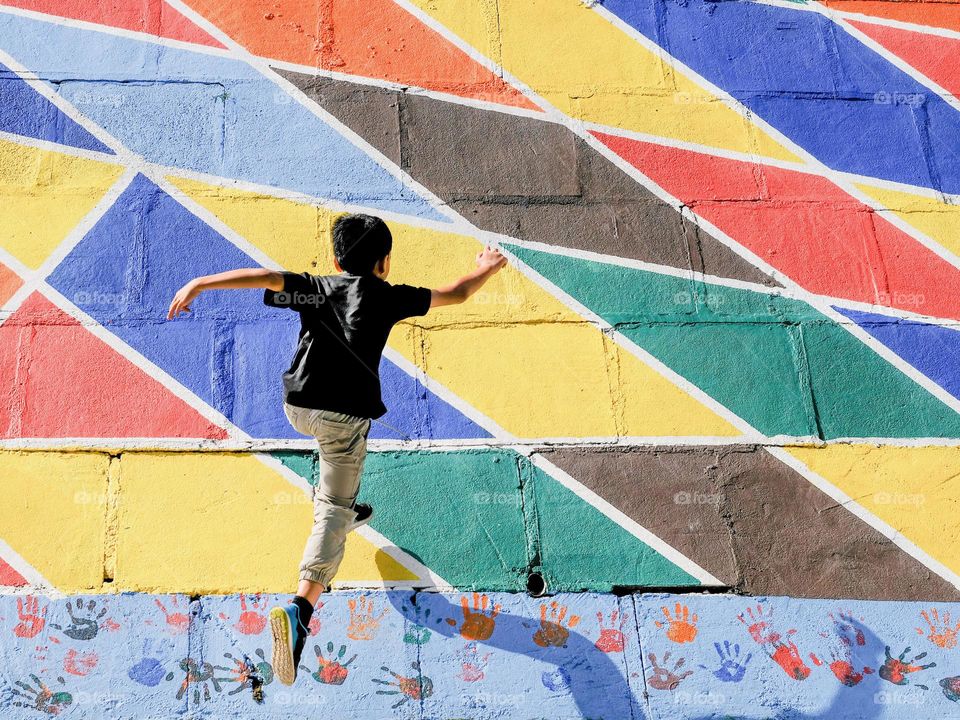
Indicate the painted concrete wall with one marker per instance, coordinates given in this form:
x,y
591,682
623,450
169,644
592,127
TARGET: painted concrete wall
x,y
722,363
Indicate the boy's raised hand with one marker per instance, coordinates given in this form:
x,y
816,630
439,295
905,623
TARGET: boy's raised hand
x,y
181,301
491,258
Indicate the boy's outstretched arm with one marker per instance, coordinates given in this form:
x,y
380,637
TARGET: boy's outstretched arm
x,y
229,280
489,263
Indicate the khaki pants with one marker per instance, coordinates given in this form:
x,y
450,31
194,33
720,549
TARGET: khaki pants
x,y
343,448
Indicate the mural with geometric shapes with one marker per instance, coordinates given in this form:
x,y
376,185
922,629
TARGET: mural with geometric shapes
x,y
712,405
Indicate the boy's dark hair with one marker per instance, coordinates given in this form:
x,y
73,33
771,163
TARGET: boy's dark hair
x,y
360,242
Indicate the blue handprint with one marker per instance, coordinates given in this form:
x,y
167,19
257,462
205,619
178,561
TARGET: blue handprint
x,y
731,669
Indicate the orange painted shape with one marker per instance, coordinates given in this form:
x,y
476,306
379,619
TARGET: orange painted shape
x,y
936,57
59,380
154,17
374,38
932,13
9,282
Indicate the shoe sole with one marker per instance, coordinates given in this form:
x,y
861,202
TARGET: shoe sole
x,y
282,634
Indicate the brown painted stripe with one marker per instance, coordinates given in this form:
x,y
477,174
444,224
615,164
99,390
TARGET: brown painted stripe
x,y
751,521
523,177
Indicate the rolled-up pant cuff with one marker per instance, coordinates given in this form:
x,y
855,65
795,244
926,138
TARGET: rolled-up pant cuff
x,y
317,577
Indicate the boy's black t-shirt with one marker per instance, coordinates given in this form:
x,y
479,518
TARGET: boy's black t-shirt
x,y
344,324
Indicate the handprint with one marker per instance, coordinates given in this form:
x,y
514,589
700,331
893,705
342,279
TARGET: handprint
x,y
416,687
478,624
759,625
665,678
363,622
940,632
552,632
951,688
315,623
149,670
732,668
416,633
896,669
681,628
557,680
611,638
248,673
41,698
80,663
473,663
330,669
32,618
253,618
177,622
85,622
787,656
849,641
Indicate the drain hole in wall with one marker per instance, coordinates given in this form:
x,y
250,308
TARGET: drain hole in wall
x,y
536,585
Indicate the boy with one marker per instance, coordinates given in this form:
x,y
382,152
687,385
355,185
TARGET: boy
x,y
332,389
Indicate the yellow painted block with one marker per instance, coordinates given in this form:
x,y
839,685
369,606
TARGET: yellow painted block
x,y
593,71
53,515
513,351
937,220
914,490
296,235
552,380
43,195
210,522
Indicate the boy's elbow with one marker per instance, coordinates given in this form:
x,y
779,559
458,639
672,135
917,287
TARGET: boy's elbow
x,y
274,281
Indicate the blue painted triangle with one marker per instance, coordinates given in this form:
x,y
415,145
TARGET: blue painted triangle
x,y
24,111
931,349
232,350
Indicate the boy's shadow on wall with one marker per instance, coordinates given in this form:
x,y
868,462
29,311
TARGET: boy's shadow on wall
x,y
596,683
591,676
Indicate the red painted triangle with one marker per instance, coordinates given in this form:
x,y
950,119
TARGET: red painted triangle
x,y
10,577
63,381
936,57
373,38
154,17
807,227
9,282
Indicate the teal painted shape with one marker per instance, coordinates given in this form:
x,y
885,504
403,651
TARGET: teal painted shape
x,y
480,518
302,463
459,513
580,548
783,367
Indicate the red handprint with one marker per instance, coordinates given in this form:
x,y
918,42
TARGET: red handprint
x,y
177,622
32,618
611,638
252,619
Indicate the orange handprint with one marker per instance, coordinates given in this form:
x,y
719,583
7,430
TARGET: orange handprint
x,y
363,622
941,634
478,624
32,619
552,632
681,628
